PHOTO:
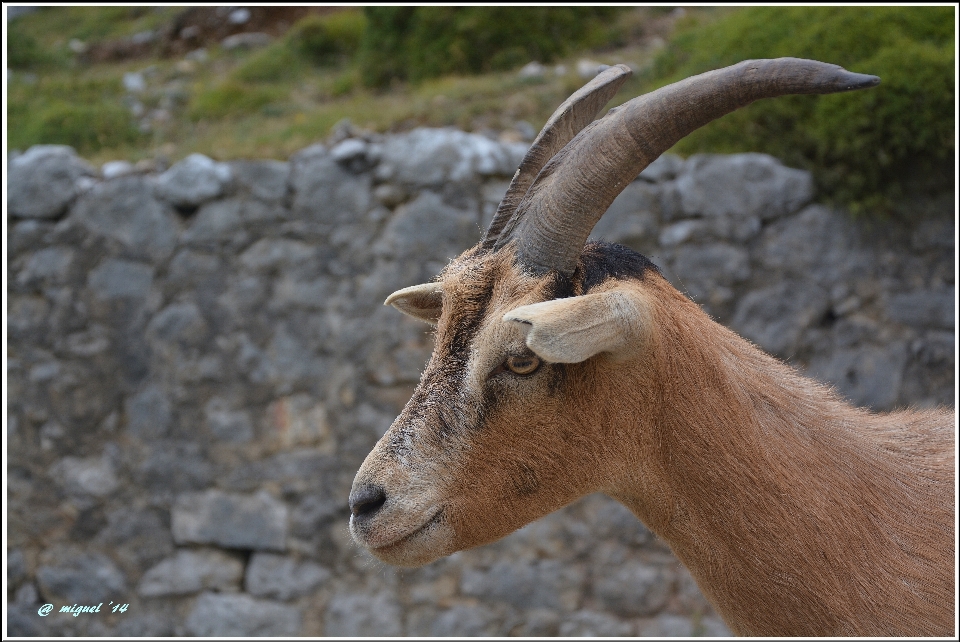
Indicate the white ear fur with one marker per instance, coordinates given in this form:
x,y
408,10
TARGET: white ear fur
x,y
574,329
423,302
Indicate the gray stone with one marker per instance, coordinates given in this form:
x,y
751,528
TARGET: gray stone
x,y
246,40
193,181
706,272
669,626
465,621
226,423
632,217
281,577
26,234
587,623
137,537
268,254
265,180
125,211
742,186
191,571
82,578
665,168
43,181
451,231
120,279
775,317
216,615
924,308
324,191
49,266
538,584
868,376
363,614
174,467
816,244
257,522
90,475
117,168
179,324
16,566
215,222
632,589
434,157
149,413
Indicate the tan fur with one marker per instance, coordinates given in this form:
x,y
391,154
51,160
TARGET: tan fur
x,y
796,513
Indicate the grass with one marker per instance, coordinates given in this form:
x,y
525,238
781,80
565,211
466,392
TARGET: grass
x,y
265,103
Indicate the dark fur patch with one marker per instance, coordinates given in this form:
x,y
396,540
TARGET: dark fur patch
x,y
600,261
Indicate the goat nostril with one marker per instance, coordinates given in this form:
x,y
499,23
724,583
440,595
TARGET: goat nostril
x,y
367,500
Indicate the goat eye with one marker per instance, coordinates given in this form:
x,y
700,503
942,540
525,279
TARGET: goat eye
x,y
522,365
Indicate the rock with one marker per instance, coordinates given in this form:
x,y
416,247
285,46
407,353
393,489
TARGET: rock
x,y
587,69
298,420
84,578
124,210
246,40
216,615
281,577
149,413
47,267
586,623
137,537
540,584
257,522
117,168
632,589
451,231
708,271
775,317
179,325
924,308
867,376
16,566
265,180
267,254
193,181
174,467
134,82
324,191
191,571
90,475
532,70
665,168
215,222
228,424
42,182
116,278
465,621
239,16
434,157
632,217
742,186
669,626
363,614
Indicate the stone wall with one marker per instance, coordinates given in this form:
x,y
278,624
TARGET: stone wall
x,y
199,361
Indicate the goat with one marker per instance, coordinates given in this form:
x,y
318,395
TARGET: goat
x,y
562,368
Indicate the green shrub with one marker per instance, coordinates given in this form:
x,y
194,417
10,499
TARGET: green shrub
x,y
415,43
329,39
23,50
866,148
275,63
231,98
86,127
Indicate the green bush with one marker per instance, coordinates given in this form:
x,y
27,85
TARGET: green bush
x,y
866,148
231,98
275,63
86,127
329,39
415,43
24,51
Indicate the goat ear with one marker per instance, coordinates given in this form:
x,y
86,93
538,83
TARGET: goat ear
x,y
574,329
422,302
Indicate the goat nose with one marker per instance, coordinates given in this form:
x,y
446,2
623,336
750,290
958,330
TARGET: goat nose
x,y
366,501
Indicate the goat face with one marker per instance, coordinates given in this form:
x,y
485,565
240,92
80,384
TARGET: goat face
x,y
499,431
514,414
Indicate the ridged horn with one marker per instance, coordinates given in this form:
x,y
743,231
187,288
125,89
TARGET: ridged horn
x,y
575,188
575,113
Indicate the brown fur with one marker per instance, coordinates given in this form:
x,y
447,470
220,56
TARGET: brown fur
x,y
796,513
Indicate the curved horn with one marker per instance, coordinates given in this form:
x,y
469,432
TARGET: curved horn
x,y
574,114
576,187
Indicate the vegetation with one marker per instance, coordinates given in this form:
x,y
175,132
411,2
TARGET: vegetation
x,y
394,68
866,148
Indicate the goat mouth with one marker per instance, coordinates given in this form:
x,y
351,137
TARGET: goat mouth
x,y
432,521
